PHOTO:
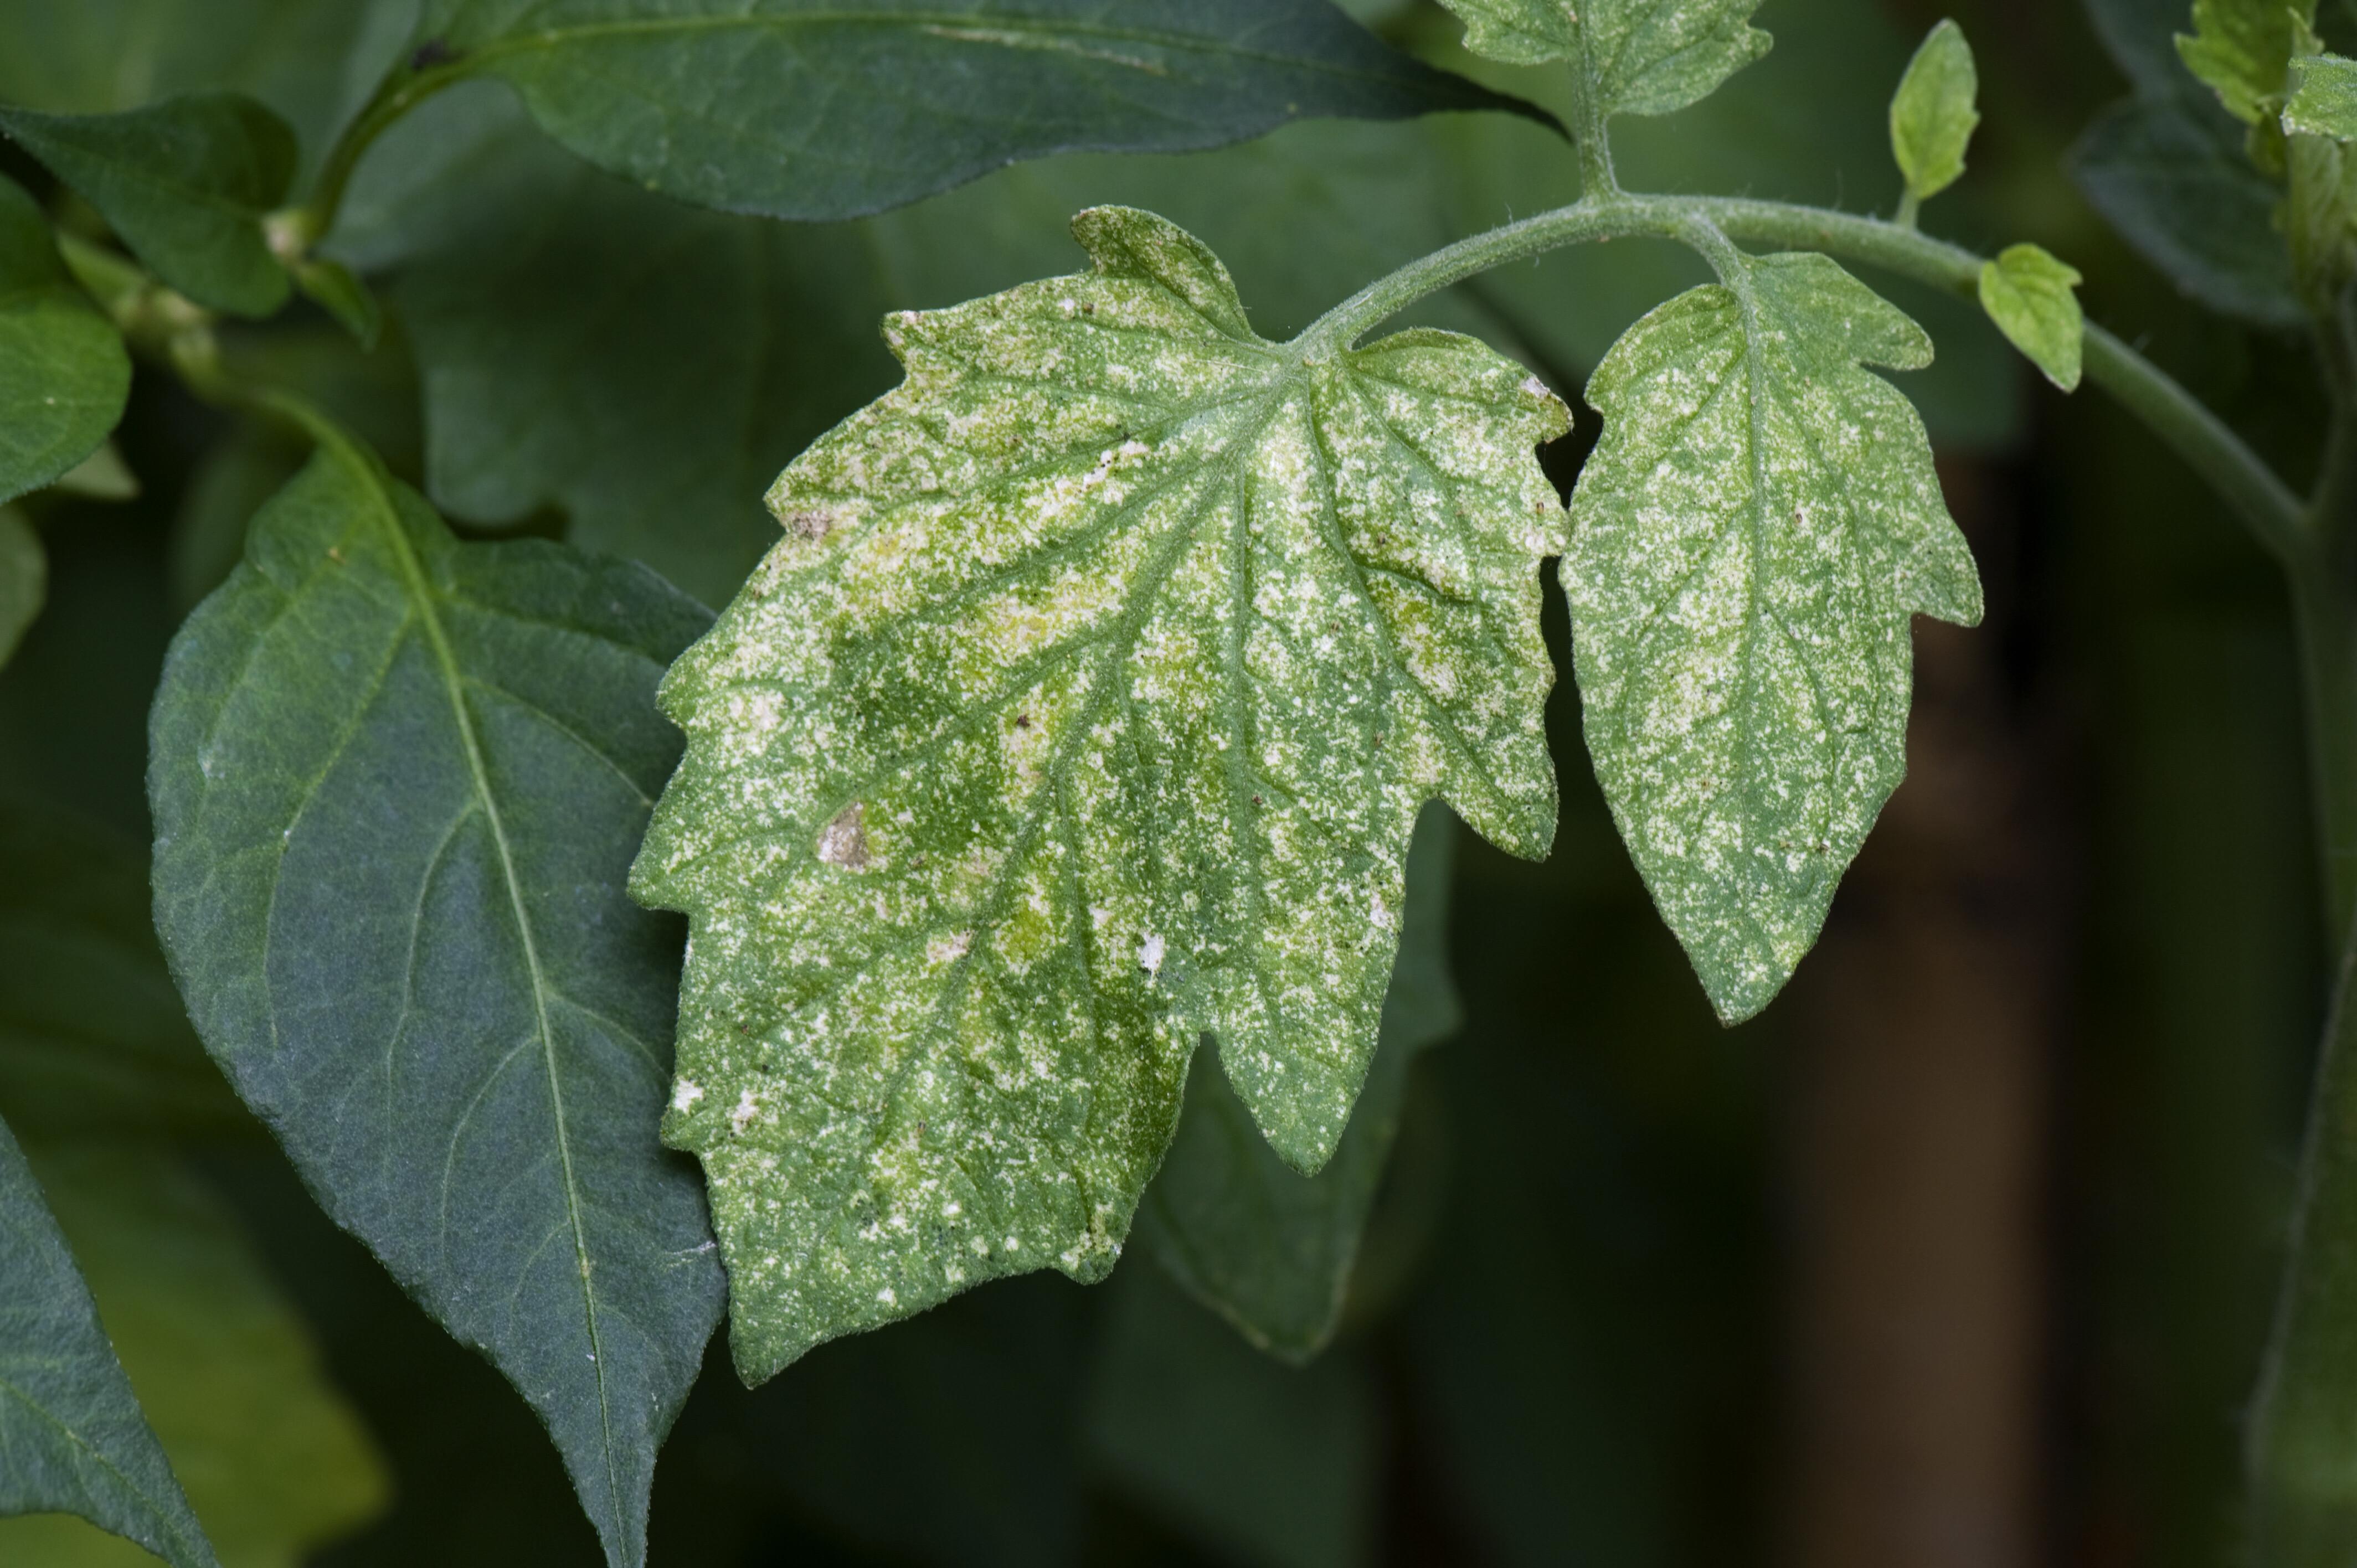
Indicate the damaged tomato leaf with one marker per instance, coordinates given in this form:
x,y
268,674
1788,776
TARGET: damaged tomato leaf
x,y
1084,711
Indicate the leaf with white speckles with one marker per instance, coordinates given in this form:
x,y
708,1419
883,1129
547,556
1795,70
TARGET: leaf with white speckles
x,y
1637,57
1749,539
1084,710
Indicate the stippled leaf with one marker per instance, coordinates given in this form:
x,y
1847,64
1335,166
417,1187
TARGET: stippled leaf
x,y
187,184
2029,294
395,781
2324,97
1632,57
71,1437
799,110
64,373
1934,114
2243,48
1749,542
1084,709
1251,1238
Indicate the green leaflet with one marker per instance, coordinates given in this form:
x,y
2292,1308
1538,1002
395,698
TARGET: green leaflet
x,y
1085,708
1632,57
795,109
1932,114
2029,294
2243,48
395,782
64,373
274,1461
2324,97
71,1437
186,183
1254,1239
1748,542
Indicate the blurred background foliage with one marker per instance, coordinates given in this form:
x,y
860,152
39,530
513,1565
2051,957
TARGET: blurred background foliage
x,y
1961,1254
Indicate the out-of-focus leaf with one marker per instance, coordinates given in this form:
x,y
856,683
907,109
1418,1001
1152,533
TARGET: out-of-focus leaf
x,y
71,1436
93,1042
2173,181
186,183
1265,1247
24,578
103,476
2029,294
275,1461
1113,653
396,782
1631,56
334,288
1268,1465
1750,544
1934,112
2141,36
2243,48
64,373
793,110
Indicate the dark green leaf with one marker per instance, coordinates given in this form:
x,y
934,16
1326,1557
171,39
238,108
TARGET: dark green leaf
x,y
71,1437
1265,1247
186,183
275,1461
64,373
92,1038
2173,181
2140,35
396,782
1265,1464
798,110
332,287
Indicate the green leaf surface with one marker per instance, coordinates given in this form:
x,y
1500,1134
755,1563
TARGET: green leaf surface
x,y
71,1437
93,1042
1934,112
1267,1247
795,109
2242,49
24,578
1632,57
1749,539
2178,188
2029,295
2324,97
186,183
395,782
1085,708
64,373
1264,1464
274,1461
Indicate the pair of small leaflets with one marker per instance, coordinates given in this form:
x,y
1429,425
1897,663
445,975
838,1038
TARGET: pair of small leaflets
x,y
1082,715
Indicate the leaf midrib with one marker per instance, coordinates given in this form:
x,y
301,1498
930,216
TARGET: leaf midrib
x,y
454,685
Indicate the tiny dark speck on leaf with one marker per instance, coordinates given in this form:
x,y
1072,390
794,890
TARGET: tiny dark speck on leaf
x,y
431,53
1023,721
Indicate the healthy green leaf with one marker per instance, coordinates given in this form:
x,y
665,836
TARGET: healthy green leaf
x,y
798,110
2181,191
64,373
1934,114
276,1462
1748,542
2324,97
24,579
186,183
1632,57
71,1437
92,1038
2243,50
1249,1236
395,782
2028,292
1085,708
1264,1464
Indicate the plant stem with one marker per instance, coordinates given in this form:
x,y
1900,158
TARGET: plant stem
x,y
400,93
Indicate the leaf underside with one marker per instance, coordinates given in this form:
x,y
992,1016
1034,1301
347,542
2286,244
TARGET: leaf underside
x,y
64,373
396,782
796,110
1084,709
73,1439
1633,57
1749,539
